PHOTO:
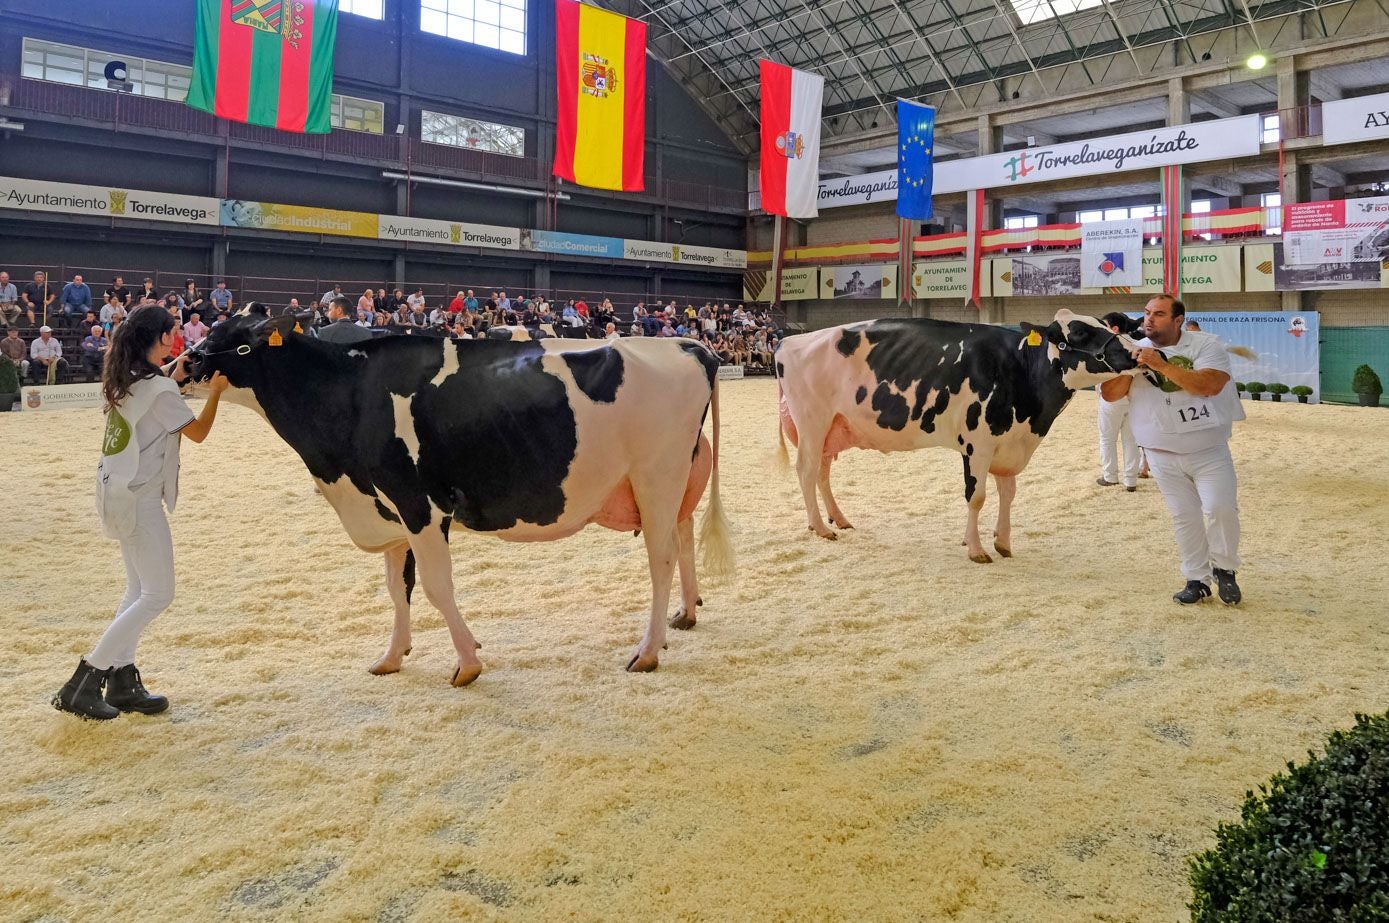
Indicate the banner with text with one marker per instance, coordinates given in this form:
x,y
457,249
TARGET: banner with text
x,y
1286,347
1266,271
1197,142
1111,253
1365,118
798,283
300,219
447,233
944,279
72,199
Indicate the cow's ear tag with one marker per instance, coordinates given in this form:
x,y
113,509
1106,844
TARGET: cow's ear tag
x,y
276,338
1034,338
297,328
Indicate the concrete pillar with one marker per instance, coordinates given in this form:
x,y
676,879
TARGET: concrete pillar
x,y
990,141
402,197
1178,102
398,268
541,278
219,258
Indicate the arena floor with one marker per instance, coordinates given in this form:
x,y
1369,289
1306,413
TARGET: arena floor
x,y
874,729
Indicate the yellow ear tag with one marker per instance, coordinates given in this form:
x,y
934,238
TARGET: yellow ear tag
x,y
297,328
1034,338
276,338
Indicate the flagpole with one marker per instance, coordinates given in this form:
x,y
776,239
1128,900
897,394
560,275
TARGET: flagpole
x,y
906,294
778,245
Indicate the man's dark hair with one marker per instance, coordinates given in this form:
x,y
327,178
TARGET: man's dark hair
x,y
1178,309
1126,324
343,305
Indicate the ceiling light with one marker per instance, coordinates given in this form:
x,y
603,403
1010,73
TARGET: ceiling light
x,y
1257,61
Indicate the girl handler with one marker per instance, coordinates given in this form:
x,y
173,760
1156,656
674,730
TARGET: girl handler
x,y
136,479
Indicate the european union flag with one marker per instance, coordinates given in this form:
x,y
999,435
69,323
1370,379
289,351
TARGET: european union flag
x,y
916,131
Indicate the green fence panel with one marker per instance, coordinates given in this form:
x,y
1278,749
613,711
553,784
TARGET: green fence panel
x,y
1345,348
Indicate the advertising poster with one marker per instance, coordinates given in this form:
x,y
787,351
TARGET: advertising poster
x,y
867,282
943,279
302,219
1286,347
1336,233
1111,253
74,199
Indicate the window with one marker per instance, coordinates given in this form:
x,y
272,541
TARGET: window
x,y
1143,211
457,131
355,114
1020,222
1272,203
1089,217
1272,129
368,8
1201,207
1030,11
161,80
497,24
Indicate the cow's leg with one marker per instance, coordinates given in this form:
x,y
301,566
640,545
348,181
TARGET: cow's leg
x,y
976,477
659,506
832,510
1003,532
809,461
400,578
684,617
436,574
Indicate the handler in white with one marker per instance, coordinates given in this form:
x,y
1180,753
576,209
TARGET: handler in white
x,y
1115,432
136,479
1186,433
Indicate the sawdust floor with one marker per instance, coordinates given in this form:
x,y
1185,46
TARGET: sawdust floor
x,y
874,729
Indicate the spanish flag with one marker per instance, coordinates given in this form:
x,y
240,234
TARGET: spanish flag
x,y
600,60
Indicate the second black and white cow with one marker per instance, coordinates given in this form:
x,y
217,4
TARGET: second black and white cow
x,y
987,392
528,441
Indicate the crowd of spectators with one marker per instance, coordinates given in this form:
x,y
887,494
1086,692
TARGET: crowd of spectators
x,y
84,324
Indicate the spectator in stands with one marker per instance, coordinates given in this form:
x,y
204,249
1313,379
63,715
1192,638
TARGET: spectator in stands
x,y
46,357
681,329
639,311
109,309
610,331
461,326
722,349
667,328
503,302
571,316
13,347
440,317
456,307
378,302
761,349
221,318
652,324
221,296
119,291
93,352
740,318
416,300
1193,325
366,305
418,315
327,297
343,328
88,321
77,301
9,301
195,331
147,291
470,302
402,316
192,299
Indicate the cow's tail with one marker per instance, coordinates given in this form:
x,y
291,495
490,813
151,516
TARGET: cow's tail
x,y
716,544
783,457
1244,352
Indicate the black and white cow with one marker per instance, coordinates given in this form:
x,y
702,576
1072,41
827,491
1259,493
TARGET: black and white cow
x,y
987,392
528,441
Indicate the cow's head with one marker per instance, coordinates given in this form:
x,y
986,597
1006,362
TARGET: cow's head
x,y
1085,350
232,347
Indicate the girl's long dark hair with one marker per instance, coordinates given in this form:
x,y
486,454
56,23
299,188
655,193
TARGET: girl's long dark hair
x,y
128,358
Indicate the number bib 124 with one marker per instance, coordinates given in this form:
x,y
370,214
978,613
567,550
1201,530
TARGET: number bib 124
x,y
1183,413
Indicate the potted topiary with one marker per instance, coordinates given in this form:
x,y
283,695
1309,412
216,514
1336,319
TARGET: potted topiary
x,y
9,384
1303,392
1278,389
1239,388
1256,388
1366,384
1310,845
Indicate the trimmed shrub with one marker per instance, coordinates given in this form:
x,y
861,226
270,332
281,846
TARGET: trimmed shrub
x,y
1255,388
9,376
1366,382
1302,391
1239,386
1311,846
1278,388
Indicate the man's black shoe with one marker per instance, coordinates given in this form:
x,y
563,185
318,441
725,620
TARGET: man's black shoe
x,y
1229,590
1192,593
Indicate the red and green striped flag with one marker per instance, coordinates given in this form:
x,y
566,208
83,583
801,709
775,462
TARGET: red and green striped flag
x,y
266,62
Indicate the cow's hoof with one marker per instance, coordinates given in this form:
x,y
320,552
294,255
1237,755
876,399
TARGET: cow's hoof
x,y
1004,552
841,523
682,620
981,558
640,664
828,534
465,674
699,600
388,663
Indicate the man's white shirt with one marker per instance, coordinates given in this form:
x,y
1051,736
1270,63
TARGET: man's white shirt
x,y
1178,421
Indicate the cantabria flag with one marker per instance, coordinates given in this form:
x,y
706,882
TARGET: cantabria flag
x,y
266,62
